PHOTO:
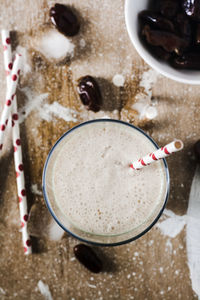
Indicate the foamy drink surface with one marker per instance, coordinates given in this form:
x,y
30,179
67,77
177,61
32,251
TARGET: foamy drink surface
x,y
94,186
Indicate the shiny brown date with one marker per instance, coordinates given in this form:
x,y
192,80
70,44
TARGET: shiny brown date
x,y
89,93
184,26
86,256
167,40
161,53
192,9
168,8
64,19
171,31
156,20
189,61
197,40
197,150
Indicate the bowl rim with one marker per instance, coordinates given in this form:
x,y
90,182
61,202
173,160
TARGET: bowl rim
x,y
147,57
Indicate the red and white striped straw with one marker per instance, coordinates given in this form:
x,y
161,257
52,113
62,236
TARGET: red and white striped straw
x,y
9,98
163,152
17,147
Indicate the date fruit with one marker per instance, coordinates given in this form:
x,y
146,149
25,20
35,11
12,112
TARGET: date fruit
x,y
190,61
197,40
184,26
171,31
64,19
161,53
89,93
168,8
167,40
86,256
192,9
156,20
197,150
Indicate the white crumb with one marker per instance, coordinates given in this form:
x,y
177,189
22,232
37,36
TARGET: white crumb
x,y
168,246
177,272
55,232
161,270
44,290
72,259
151,112
82,43
2,292
118,80
35,190
91,286
54,45
162,292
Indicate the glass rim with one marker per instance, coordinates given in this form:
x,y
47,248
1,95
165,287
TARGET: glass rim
x,y
57,219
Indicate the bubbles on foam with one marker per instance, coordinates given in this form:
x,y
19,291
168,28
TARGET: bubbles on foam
x,y
113,190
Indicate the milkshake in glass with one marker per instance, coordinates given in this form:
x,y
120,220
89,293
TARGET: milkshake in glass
x,y
91,190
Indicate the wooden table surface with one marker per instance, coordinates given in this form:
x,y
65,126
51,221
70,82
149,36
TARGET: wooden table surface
x,y
153,267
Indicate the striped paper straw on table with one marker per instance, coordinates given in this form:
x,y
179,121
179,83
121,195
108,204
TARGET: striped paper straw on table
x,y
163,152
14,118
11,90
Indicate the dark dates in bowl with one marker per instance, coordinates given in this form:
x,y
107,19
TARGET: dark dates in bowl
x,y
166,34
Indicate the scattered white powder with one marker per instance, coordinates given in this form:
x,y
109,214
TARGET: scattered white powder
x,y
118,80
161,270
35,190
162,292
144,108
55,109
193,233
34,102
169,246
2,292
44,290
173,225
26,67
143,105
45,111
92,286
72,259
55,45
82,43
55,232
148,79
151,242
177,272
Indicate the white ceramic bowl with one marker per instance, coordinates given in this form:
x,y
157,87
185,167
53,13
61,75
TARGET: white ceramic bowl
x,y
132,9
